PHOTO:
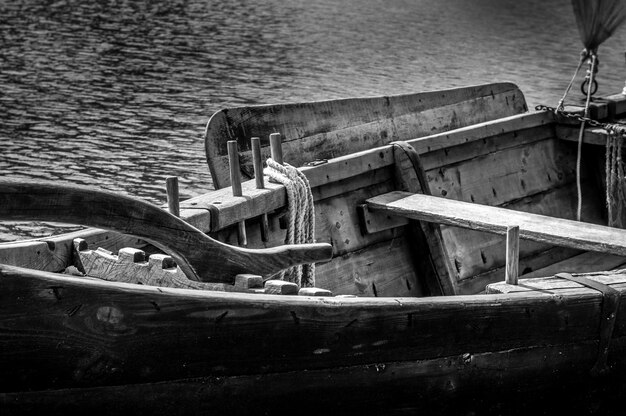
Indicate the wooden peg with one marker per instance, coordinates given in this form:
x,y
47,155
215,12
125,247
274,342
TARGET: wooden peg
x,y
233,160
276,150
512,255
276,147
257,163
235,183
171,188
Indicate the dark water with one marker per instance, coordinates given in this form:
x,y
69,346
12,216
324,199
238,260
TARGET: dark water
x,y
117,93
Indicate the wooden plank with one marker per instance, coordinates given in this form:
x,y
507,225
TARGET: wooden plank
x,y
474,253
432,261
375,222
536,260
327,129
503,176
54,253
214,210
488,144
583,263
567,233
592,135
382,270
44,310
616,104
131,265
336,222
337,219
551,283
440,386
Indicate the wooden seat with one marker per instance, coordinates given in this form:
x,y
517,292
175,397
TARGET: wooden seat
x,y
541,228
608,243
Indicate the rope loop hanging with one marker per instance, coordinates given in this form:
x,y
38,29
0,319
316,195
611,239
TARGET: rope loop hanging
x,y
300,217
615,176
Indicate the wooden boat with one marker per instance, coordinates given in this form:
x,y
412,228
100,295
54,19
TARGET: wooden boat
x,y
418,196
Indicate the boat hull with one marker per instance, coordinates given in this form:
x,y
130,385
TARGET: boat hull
x,y
72,343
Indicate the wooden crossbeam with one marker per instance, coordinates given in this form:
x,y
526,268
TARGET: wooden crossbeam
x,y
556,231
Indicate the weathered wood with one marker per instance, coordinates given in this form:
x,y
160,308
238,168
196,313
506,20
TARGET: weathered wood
x,y
131,265
235,184
432,260
552,283
374,222
500,177
496,142
186,244
512,254
535,261
142,325
347,272
276,147
280,287
257,163
314,291
233,164
173,196
475,253
616,104
582,263
383,269
327,129
54,253
216,210
248,281
591,135
535,227
437,387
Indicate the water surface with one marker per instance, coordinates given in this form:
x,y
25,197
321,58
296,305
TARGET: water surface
x,y
117,93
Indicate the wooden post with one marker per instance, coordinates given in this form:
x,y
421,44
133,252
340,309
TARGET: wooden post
x,y
235,181
276,147
276,150
512,254
257,163
171,188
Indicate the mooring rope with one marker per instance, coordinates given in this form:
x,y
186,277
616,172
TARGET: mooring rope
x,y
300,216
583,57
580,137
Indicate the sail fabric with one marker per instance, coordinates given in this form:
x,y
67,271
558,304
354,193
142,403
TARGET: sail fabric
x,y
597,20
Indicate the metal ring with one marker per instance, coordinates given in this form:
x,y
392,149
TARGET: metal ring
x,y
594,87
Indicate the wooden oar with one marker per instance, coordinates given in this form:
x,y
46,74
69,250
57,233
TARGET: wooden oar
x,y
198,255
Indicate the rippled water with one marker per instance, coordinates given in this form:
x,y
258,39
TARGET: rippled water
x,y
117,93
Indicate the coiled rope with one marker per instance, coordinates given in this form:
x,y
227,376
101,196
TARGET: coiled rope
x,y
300,216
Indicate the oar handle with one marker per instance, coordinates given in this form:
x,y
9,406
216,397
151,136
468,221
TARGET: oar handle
x,y
298,253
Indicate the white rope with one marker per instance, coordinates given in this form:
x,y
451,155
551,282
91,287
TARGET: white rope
x,y
580,138
300,216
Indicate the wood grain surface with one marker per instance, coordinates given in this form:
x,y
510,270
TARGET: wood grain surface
x,y
557,231
198,255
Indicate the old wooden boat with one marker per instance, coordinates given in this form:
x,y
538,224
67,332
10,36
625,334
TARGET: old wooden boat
x,y
420,197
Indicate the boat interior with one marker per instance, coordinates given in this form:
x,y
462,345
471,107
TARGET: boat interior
x,y
428,194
